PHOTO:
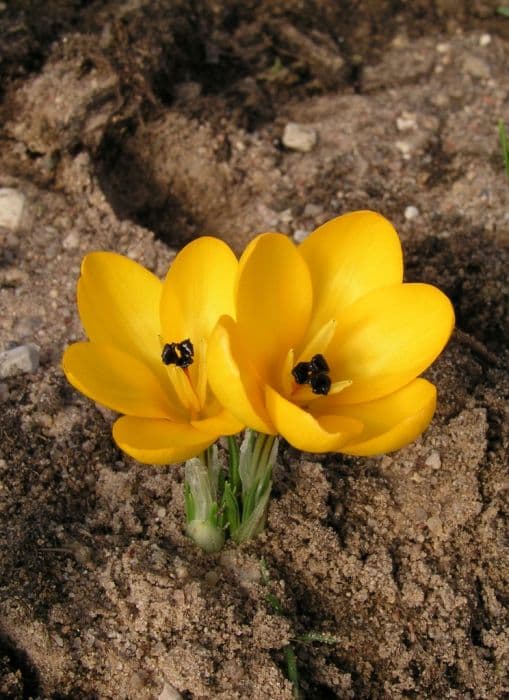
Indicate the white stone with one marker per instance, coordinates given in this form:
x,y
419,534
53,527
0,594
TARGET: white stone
x,y
300,235
404,148
71,241
485,40
433,460
411,212
406,122
23,358
286,216
298,137
12,203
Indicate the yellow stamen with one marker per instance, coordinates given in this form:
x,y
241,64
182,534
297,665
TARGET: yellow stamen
x,y
183,386
319,342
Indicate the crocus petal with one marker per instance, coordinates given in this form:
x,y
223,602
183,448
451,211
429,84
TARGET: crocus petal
x,y
347,258
118,302
234,380
116,380
392,421
274,299
159,441
306,432
386,339
223,423
198,290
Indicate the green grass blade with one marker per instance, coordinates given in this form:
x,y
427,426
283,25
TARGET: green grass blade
x,y
292,671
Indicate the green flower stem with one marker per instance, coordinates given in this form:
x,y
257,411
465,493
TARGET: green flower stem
x,y
202,483
258,454
234,502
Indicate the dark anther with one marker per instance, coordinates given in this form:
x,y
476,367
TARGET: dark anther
x,y
302,372
320,384
180,354
319,364
314,373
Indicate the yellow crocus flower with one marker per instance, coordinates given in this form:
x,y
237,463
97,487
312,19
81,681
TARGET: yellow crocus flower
x,y
326,342
147,355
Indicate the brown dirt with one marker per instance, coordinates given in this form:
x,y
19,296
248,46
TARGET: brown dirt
x,y
135,126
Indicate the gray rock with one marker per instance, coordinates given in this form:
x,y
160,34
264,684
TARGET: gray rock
x,y
298,137
12,203
19,360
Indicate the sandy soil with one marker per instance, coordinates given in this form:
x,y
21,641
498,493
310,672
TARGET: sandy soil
x,y
135,126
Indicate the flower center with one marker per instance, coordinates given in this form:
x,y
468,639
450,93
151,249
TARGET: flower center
x,y
179,354
315,373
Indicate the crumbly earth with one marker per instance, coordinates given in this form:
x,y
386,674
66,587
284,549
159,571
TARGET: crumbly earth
x,y
134,126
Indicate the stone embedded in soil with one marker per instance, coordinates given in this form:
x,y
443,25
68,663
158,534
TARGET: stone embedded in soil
x,y
12,204
411,212
19,360
298,137
71,241
476,67
300,235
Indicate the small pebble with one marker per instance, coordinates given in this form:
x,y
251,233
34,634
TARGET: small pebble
x,y
485,40
435,526
71,241
411,212
12,204
476,67
433,460
300,235
406,122
404,148
298,137
286,216
312,210
21,359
